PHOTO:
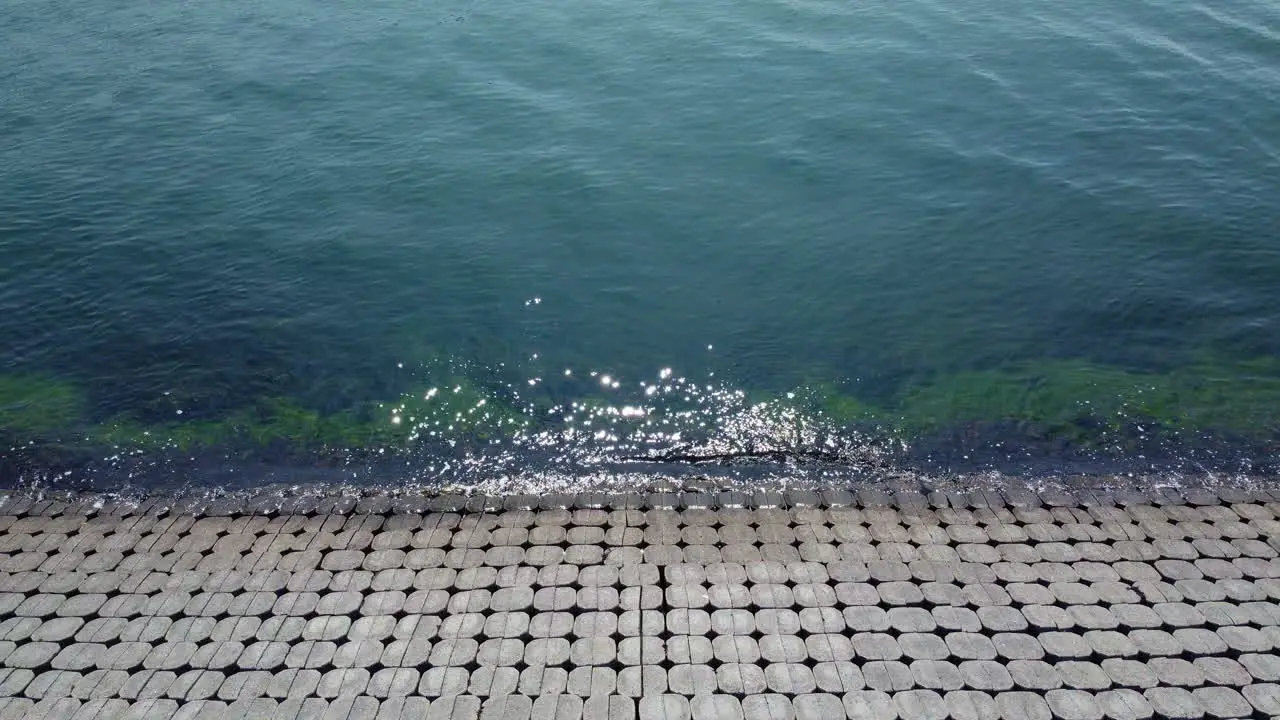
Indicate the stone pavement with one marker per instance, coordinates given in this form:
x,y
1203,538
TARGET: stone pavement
x,y
808,605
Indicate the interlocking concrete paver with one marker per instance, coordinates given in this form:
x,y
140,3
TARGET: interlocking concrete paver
x,y
715,707
1124,704
1015,601
1155,642
887,675
1222,702
937,675
923,646
1172,702
1265,697
1001,619
971,705
1129,673
922,704
1073,705
1017,646
970,646
869,705
1035,675
32,654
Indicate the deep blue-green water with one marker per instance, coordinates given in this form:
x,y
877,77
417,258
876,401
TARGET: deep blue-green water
x,y
919,218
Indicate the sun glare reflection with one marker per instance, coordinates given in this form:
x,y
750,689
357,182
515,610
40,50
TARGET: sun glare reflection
x,y
677,422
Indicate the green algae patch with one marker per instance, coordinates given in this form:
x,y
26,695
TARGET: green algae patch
x,y
40,406
1080,402
450,410
1075,399
833,402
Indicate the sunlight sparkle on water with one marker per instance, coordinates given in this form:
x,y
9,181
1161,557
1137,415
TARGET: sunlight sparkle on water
x,y
493,429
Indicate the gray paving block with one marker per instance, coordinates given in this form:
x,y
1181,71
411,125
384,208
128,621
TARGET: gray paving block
x,y
79,656
238,629
740,679
293,682
99,684
970,646
937,675
986,675
609,707
939,592
774,648
876,646
866,618
1263,667
32,654
1155,642
637,681
887,675
589,681
900,593
12,708
14,680
1035,675
1073,705
771,706
195,685
921,704
913,619
858,594
48,684
1136,616
461,625
723,622
812,706
923,646
735,649
1023,706
971,705
244,685
1223,702
1092,617
1017,646
690,679
829,647
959,619
351,707
1124,704
443,681
1223,671
1082,675
1030,593
715,707
392,682
1176,671
1129,673
568,707
39,606
343,681
1002,619
1264,696
1245,639
869,705
1172,702
1065,644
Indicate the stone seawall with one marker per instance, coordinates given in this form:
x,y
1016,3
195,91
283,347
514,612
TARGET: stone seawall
x,y
806,604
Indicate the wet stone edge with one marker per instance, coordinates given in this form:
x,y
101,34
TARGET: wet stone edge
x,y
320,500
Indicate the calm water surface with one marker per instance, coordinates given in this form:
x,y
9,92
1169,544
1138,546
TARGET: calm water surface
x,y
208,208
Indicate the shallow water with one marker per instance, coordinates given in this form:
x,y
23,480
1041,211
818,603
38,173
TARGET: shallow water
x,y
968,232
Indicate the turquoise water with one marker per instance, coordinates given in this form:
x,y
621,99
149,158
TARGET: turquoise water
x,y
923,220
